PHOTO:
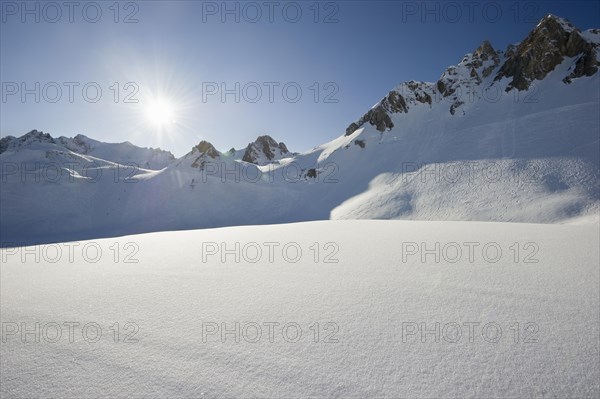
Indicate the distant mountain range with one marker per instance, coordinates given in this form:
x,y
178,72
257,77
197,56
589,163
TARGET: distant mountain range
x,y
507,135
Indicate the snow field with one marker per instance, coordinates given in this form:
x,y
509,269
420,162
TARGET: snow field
x,y
328,309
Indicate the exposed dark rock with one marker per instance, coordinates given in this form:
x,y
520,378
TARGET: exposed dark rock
x,y
420,95
485,51
454,106
586,65
394,102
475,75
444,89
266,142
417,89
351,129
312,173
423,98
283,148
198,163
539,53
264,145
543,49
379,116
510,51
5,142
360,143
32,136
206,148
35,135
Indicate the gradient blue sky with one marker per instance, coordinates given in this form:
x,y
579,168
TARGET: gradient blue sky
x,y
170,52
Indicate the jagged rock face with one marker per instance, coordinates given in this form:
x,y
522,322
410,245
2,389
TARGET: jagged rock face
x,y
31,137
283,148
397,101
378,116
264,149
457,81
419,89
6,143
482,54
485,51
35,135
352,128
443,88
206,148
469,73
510,51
3,144
543,49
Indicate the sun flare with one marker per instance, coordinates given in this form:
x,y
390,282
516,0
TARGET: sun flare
x,y
160,113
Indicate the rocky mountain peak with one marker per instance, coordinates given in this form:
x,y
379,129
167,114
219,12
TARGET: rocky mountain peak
x,y
266,139
546,46
552,22
36,135
201,154
205,148
264,149
31,137
485,51
543,49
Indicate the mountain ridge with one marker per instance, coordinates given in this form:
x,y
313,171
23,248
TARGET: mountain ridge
x,y
517,62
427,151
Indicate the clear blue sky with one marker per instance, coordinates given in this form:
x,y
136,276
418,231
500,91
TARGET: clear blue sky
x,y
178,50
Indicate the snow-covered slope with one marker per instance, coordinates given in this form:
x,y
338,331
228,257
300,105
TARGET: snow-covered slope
x,y
508,160
510,136
122,153
516,316
502,136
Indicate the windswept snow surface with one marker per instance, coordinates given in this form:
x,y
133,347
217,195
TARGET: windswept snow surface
x,y
372,288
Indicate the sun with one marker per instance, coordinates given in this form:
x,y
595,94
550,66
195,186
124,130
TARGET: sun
x,y
160,113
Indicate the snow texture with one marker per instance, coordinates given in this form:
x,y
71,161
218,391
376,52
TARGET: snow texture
x,y
374,291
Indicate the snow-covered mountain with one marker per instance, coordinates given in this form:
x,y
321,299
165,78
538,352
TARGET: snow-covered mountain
x,y
502,136
122,153
265,150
